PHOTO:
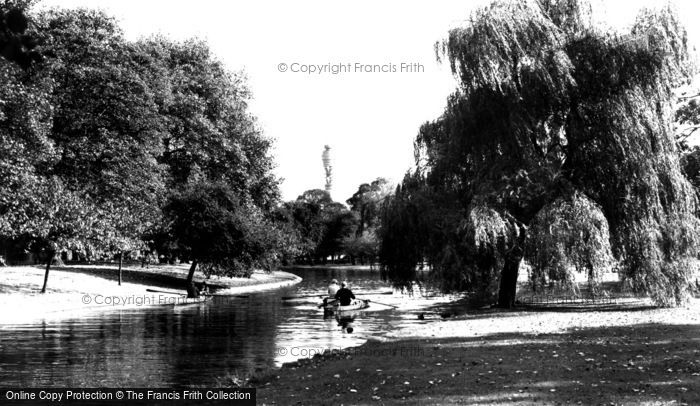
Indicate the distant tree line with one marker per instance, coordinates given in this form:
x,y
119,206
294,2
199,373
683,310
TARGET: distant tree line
x,y
687,125
557,148
326,230
110,147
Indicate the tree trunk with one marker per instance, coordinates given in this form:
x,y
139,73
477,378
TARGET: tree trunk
x,y
509,280
46,274
190,275
191,290
121,258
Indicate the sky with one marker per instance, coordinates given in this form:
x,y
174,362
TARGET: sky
x,y
369,116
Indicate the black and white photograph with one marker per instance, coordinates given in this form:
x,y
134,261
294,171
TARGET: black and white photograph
x,y
307,202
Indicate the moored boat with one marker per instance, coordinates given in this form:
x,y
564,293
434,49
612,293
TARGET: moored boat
x,y
186,301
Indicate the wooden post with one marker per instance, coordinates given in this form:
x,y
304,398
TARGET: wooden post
x,y
121,258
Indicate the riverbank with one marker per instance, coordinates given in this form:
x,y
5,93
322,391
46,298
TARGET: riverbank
x,y
81,289
174,277
339,267
624,353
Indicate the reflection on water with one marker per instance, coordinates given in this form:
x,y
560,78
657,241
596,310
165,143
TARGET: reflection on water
x,y
198,344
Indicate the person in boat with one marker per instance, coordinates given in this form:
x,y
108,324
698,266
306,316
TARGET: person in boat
x,y
332,290
344,295
204,290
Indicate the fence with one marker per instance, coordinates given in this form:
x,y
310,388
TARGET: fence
x,y
580,293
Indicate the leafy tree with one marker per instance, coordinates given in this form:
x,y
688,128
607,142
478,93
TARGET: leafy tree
x,y
305,217
687,118
209,130
291,245
366,203
25,146
687,123
295,217
225,235
690,163
32,207
339,223
363,247
105,117
127,224
17,45
406,218
110,130
63,220
106,125
550,110
208,136
322,227
569,233
316,197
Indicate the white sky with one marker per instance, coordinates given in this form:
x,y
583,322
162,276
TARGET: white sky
x,y
369,119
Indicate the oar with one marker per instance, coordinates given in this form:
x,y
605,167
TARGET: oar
x,y
390,292
322,295
327,303
383,304
302,296
215,295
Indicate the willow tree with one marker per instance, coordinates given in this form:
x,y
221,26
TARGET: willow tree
x,y
570,233
551,116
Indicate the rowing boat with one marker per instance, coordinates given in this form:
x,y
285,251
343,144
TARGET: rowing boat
x,y
356,304
186,301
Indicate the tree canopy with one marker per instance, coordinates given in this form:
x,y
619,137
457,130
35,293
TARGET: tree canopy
x,y
366,203
214,228
18,44
552,116
104,137
322,228
319,223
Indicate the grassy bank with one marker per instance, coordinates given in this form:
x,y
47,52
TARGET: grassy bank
x,y
174,277
334,266
75,290
615,354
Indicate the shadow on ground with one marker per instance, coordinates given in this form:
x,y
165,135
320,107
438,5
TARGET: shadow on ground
x,y
462,308
150,276
640,364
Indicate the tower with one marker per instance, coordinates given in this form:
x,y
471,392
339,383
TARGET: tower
x,y
328,168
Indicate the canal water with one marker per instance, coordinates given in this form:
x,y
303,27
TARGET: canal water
x,y
201,344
